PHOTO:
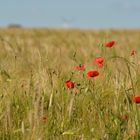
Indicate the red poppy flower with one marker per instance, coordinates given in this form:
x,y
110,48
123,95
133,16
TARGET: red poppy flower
x,y
80,68
136,99
92,73
109,44
99,61
133,52
69,84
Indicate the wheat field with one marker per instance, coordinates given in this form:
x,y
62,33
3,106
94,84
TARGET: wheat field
x,y
35,103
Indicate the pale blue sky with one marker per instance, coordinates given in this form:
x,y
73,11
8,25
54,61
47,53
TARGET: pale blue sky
x,y
71,13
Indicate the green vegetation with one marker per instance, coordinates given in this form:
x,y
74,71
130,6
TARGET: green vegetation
x,y
35,103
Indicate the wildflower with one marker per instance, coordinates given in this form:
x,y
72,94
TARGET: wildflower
x,y
69,84
92,73
124,117
133,52
99,61
109,44
80,68
136,99
45,119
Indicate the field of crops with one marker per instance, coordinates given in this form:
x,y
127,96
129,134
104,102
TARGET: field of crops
x,y
69,84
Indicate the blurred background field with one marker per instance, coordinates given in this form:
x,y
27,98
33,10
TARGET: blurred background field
x,y
34,101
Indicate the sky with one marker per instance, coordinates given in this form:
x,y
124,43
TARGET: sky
x,y
71,13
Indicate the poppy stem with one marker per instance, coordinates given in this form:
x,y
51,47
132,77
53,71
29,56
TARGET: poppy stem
x,y
132,84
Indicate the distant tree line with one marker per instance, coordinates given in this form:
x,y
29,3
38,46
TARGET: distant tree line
x,y
14,26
